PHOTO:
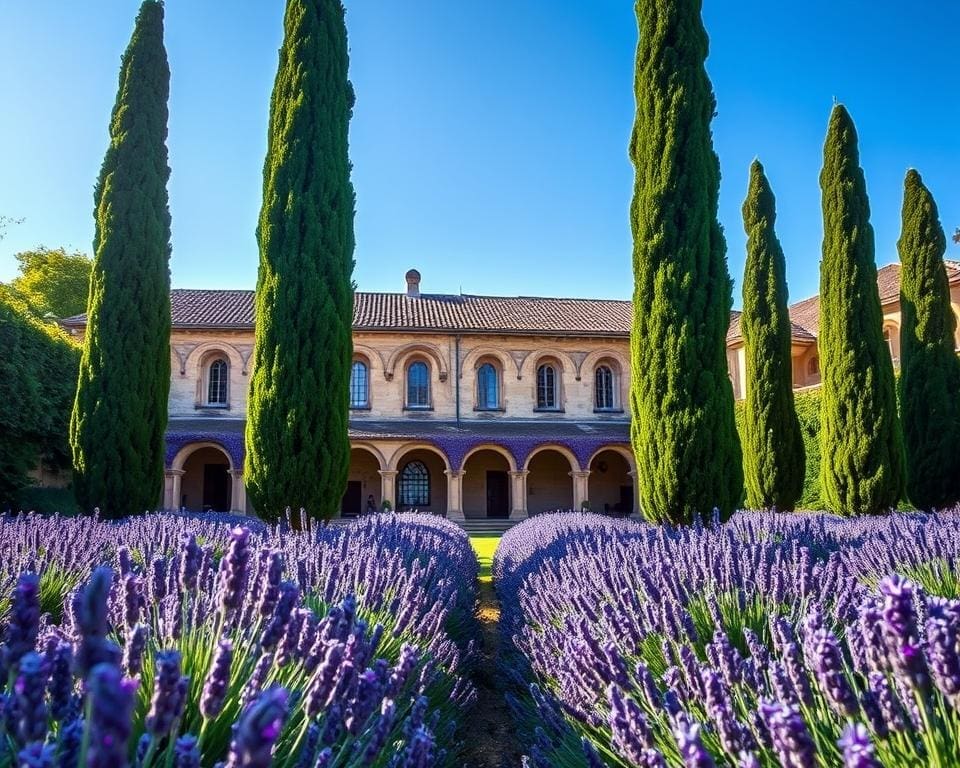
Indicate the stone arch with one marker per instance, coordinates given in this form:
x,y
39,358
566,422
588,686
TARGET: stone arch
x,y
611,484
475,355
891,333
431,351
561,449
397,457
190,448
373,356
623,450
206,349
511,460
371,449
597,356
533,360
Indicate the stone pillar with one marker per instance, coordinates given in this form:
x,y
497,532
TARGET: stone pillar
x,y
581,488
172,488
518,494
636,493
454,494
238,493
388,487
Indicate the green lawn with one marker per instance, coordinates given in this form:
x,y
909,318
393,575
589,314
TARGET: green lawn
x,y
485,546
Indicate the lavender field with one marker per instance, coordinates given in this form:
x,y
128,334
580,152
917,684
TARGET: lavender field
x,y
772,640
179,642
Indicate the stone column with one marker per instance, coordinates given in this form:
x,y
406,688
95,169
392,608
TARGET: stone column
x,y
636,493
581,487
238,495
518,494
388,487
454,494
172,488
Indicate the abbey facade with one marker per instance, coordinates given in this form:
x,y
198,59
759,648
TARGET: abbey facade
x,y
467,406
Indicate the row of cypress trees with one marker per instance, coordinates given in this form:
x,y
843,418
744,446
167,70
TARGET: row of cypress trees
x,y
688,453
297,445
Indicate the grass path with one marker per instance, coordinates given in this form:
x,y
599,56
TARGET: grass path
x,y
492,742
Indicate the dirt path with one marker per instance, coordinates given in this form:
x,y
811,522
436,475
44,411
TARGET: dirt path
x,y
492,739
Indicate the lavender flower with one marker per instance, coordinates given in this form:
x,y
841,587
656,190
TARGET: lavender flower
x,y
133,650
788,732
217,682
167,703
24,619
900,631
234,571
111,705
857,749
190,559
36,755
258,729
186,752
630,733
692,751
61,682
943,640
29,692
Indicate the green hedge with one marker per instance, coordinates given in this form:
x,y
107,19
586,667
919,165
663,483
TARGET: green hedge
x,y
47,501
808,412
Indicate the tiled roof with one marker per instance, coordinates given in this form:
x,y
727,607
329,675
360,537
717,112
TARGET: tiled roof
x,y
428,312
735,333
806,313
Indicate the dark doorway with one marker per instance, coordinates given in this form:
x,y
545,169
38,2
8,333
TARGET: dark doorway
x,y
498,494
626,499
216,488
352,503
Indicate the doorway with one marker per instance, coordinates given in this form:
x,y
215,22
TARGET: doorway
x,y
498,494
352,503
216,487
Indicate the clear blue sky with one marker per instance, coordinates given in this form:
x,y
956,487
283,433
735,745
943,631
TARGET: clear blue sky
x,y
489,140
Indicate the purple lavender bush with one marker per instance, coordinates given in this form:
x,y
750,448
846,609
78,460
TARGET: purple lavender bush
x,y
771,640
184,641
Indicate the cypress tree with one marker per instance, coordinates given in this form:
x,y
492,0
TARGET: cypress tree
x,y
298,451
120,411
773,455
861,445
929,366
681,400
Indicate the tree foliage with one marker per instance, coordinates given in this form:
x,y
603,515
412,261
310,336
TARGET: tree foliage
x,y
773,454
120,414
298,450
929,366
683,431
38,369
862,461
52,281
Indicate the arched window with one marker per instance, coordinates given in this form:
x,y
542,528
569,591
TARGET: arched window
x,y
359,385
547,387
603,389
217,377
488,387
418,385
413,485
889,336
813,366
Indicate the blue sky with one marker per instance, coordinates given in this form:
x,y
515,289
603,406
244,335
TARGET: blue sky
x,y
489,139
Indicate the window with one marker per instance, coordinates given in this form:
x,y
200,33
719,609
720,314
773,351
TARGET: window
x,y
488,386
359,385
217,376
547,387
888,336
413,486
418,385
813,366
603,389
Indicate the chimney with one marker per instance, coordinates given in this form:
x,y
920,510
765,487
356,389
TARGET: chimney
x,y
413,284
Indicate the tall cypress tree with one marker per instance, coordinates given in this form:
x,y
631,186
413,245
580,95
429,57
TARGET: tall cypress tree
x,y
862,466
681,401
773,456
120,413
298,451
930,368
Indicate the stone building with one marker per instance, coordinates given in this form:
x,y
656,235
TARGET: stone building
x,y
467,406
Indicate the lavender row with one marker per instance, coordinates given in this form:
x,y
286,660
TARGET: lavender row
x,y
172,641
773,640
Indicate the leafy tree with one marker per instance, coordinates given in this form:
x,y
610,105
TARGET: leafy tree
x,y
53,281
930,368
120,413
773,455
861,443
298,451
38,369
683,431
